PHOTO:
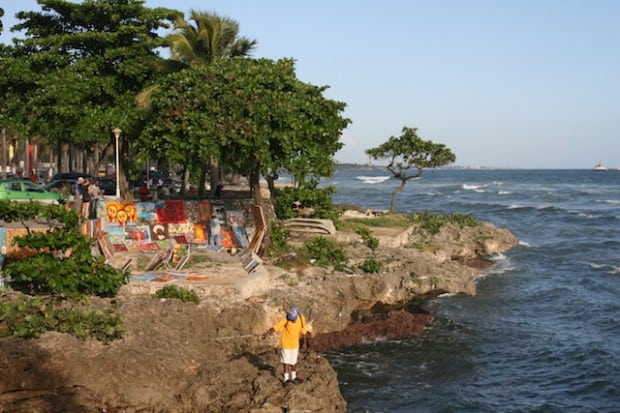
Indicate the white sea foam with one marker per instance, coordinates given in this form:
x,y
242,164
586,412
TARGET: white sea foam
x,y
608,268
446,295
475,188
504,192
524,243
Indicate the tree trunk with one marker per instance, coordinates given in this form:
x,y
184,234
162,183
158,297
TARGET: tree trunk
x,y
271,184
395,195
255,188
202,191
214,178
123,182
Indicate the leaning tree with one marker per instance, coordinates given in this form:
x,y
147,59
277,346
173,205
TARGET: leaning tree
x,y
409,151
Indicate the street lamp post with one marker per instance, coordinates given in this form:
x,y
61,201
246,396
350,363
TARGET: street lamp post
x,y
117,134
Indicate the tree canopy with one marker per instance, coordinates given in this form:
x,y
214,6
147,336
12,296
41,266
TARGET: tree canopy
x,y
407,152
75,75
254,115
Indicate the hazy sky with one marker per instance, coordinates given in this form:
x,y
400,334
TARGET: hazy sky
x,y
525,84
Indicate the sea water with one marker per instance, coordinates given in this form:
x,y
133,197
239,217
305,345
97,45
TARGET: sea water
x,y
543,332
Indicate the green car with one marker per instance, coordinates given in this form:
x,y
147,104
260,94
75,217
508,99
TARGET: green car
x,y
22,190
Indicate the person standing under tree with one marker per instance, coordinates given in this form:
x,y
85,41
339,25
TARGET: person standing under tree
x,y
96,194
291,328
85,198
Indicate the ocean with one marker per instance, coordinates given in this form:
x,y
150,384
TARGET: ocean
x,y
543,332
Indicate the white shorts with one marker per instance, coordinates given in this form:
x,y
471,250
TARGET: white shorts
x,y
289,356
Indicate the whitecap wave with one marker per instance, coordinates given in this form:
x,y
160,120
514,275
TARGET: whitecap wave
x,y
608,268
475,188
524,243
504,193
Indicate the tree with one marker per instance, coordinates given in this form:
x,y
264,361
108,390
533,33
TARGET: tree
x,y
201,41
254,115
75,75
1,15
410,151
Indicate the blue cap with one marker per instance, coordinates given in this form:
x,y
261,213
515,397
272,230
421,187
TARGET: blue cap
x,y
292,314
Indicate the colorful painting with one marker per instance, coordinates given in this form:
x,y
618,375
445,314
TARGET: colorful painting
x,y
116,234
159,232
204,209
120,212
138,233
200,233
235,218
172,213
227,239
241,237
119,247
148,247
146,211
192,211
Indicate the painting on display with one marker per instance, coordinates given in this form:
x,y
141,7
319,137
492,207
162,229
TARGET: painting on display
x,y
120,212
146,211
138,233
172,213
159,232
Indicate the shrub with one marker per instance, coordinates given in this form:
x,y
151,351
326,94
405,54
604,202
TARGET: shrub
x,y
371,265
371,242
30,317
432,222
184,294
306,196
62,267
325,252
278,236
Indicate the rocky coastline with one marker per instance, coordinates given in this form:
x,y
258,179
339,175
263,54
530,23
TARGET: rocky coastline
x,y
181,357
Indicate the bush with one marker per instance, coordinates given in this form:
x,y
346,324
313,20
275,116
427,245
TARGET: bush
x,y
184,294
371,242
30,317
62,268
432,222
278,235
371,265
325,252
306,196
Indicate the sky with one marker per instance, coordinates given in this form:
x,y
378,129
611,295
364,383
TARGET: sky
x,y
509,84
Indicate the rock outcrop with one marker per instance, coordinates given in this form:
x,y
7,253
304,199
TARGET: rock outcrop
x,y
181,357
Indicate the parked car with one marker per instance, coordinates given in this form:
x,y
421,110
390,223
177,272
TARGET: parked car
x,y
62,186
107,185
22,190
71,175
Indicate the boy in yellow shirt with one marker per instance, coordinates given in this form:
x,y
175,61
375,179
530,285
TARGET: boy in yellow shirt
x,y
291,328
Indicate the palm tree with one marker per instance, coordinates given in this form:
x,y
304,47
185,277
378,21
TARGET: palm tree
x,y
202,40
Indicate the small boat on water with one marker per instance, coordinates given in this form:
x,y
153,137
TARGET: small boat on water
x,y
373,179
599,167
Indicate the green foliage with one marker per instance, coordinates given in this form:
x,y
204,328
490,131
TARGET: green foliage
x,y
60,266
324,252
371,241
409,151
75,276
388,220
278,236
29,317
371,265
253,115
432,222
76,73
184,294
307,195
